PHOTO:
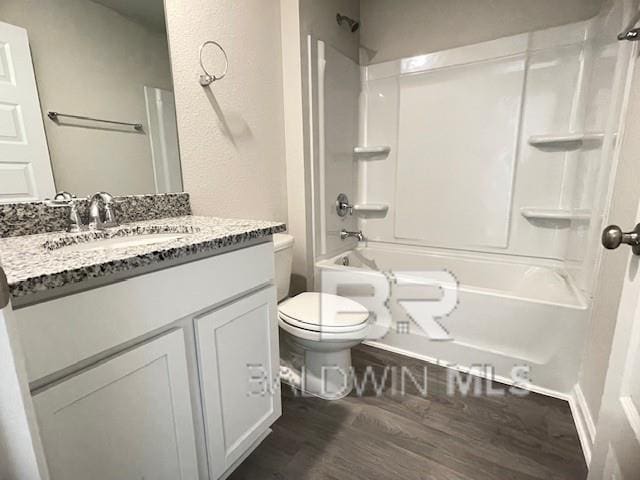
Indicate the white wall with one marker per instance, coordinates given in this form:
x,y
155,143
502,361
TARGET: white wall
x,y
231,134
392,29
90,60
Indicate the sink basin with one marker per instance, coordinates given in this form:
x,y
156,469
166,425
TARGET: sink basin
x,y
122,242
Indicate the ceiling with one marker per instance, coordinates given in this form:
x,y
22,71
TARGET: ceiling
x,y
149,13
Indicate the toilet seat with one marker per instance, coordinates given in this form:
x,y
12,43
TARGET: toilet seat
x,y
323,313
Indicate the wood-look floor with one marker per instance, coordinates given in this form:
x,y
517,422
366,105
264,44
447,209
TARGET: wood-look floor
x,y
437,437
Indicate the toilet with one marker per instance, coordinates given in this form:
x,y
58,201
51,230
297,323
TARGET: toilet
x,y
323,326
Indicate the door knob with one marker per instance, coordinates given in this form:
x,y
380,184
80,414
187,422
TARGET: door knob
x,y
613,236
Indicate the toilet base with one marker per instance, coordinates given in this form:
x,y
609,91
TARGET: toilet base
x,y
327,374
318,364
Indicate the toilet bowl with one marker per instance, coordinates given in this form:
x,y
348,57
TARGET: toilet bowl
x,y
323,326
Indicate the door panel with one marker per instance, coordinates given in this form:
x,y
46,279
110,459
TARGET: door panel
x,y
23,456
616,453
127,418
25,168
239,359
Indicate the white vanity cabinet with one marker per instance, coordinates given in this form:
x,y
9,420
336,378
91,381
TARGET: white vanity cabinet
x,y
239,361
128,418
155,377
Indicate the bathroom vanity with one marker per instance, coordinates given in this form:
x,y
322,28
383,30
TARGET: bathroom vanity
x,y
154,358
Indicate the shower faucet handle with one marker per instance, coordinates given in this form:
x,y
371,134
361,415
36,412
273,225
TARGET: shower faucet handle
x,y
613,237
343,206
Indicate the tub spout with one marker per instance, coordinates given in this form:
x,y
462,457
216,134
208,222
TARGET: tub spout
x,y
344,234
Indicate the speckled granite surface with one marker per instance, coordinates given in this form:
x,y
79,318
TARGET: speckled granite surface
x,y
44,262
32,218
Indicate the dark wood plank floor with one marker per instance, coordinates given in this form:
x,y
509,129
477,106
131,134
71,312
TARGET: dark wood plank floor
x,y
411,436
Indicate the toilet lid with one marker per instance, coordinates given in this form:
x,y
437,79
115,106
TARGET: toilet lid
x,y
323,311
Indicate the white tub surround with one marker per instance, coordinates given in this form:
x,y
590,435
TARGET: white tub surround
x,y
500,147
458,122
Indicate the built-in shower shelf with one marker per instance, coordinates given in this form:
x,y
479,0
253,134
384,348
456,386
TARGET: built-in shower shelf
x,y
555,213
370,209
371,153
567,141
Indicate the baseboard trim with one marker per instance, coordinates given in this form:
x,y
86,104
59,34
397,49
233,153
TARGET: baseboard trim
x,y
498,378
584,421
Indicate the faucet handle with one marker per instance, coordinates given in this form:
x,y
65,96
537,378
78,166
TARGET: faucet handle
x,y
66,199
75,224
61,199
343,207
63,196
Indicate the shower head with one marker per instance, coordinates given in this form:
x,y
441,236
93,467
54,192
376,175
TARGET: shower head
x,y
351,23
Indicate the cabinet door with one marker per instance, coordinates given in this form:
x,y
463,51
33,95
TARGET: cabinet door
x,y
127,418
239,363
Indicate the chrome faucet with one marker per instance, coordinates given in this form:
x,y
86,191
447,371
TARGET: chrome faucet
x,y
96,221
344,234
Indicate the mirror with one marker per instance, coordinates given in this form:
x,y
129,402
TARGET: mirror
x,y
86,99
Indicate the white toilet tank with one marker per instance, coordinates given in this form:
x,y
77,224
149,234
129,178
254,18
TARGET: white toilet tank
x,y
283,252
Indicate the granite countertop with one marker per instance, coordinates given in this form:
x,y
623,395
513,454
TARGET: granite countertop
x,y
39,263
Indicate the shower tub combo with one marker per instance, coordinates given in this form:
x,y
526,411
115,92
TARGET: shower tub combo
x,y
508,314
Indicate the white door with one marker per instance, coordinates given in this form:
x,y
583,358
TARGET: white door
x,y
127,418
25,168
239,363
616,452
21,452
163,135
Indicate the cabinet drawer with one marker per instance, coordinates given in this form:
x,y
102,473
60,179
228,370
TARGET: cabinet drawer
x,y
129,417
239,362
112,315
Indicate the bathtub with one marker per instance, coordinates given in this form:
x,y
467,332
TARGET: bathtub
x,y
508,314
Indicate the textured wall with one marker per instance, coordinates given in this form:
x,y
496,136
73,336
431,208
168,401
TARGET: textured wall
x,y
231,133
392,29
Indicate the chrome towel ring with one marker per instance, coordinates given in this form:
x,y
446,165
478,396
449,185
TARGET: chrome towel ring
x,y
207,79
